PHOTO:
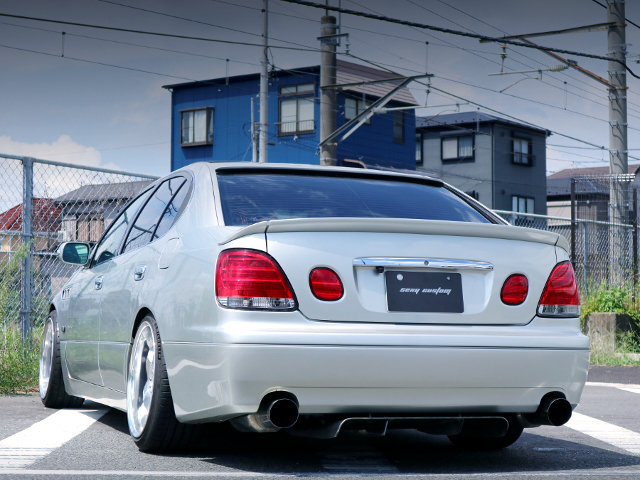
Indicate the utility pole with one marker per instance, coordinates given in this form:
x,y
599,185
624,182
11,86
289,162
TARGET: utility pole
x,y
618,163
264,84
328,96
254,137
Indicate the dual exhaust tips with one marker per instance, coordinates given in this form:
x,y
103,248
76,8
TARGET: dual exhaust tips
x,y
281,409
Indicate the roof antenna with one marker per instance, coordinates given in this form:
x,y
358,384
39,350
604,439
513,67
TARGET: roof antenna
x,y
227,81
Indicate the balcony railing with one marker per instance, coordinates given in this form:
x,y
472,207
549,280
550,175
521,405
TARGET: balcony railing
x,y
296,127
523,158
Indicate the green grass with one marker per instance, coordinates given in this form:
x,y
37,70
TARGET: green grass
x,y
18,361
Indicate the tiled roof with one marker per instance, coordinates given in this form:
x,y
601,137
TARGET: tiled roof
x,y
102,191
347,73
469,118
351,73
575,172
46,217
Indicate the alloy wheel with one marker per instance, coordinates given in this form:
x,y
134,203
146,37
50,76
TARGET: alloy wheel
x,y
140,380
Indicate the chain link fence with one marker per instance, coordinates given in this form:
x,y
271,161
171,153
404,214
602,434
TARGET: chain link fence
x,y
43,204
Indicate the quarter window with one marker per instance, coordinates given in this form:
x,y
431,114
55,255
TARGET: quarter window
x,y
457,148
297,114
522,152
354,107
172,211
196,127
145,225
108,247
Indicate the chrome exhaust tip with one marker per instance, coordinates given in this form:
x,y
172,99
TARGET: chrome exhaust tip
x,y
276,411
554,411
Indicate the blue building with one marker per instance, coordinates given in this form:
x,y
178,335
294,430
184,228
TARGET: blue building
x,y
211,120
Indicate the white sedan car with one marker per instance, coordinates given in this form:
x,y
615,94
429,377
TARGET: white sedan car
x,y
316,300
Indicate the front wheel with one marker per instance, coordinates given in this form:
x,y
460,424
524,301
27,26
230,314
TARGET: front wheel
x,y
150,414
52,391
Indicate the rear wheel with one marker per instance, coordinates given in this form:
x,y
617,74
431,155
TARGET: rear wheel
x,y
150,414
52,391
471,442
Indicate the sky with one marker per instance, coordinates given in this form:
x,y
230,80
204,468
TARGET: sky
x,y
94,107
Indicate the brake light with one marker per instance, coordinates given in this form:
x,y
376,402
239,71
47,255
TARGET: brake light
x,y
560,296
515,290
252,280
325,284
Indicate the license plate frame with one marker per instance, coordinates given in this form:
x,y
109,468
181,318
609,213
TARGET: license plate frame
x,y
424,292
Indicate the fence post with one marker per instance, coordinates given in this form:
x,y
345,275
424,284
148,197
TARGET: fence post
x,y
585,257
573,222
27,263
635,242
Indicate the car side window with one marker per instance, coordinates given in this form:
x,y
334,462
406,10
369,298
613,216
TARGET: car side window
x,y
107,248
145,225
172,211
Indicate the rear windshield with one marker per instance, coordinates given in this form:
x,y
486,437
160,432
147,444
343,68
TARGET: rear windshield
x,y
249,198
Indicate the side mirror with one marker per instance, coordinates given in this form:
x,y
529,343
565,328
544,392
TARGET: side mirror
x,y
74,253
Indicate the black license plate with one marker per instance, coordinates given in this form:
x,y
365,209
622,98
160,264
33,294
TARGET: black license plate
x,y
424,292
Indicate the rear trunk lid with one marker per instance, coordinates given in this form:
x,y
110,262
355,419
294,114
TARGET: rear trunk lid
x,y
382,265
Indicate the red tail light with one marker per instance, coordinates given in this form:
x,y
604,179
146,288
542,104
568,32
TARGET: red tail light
x,y
560,296
325,284
515,290
252,280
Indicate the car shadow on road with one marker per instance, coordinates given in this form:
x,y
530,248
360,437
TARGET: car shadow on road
x,y
403,451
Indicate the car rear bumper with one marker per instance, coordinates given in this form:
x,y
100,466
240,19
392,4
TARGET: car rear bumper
x,y
213,382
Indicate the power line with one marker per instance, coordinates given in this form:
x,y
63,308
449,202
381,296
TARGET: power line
x,y
127,43
197,21
158,34
626,19
456,32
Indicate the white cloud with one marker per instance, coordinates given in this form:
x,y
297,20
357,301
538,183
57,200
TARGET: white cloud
x,y
62,150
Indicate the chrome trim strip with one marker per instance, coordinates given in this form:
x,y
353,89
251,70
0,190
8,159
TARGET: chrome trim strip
x,y
438,263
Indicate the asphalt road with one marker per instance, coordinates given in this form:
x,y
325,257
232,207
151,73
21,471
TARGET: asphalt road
x,y
603,440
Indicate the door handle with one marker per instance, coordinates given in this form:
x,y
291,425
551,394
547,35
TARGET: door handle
x,y
98,284
138,273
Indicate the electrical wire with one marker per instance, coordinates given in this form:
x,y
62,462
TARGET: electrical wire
x,y
626,19
159,34
456,32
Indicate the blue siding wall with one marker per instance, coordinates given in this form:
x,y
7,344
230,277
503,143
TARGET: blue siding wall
x,y
372,143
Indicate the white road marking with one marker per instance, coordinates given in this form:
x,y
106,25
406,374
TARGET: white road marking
x,y
614,385
632,390
606,432
42,438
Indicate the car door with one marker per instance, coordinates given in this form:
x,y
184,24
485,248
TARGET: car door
x,y
82,326
130,271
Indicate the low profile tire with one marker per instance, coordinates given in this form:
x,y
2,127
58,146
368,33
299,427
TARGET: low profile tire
x,y
470,442
52,391
150,414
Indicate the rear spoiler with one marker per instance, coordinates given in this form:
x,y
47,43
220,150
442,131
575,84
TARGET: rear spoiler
x,y
401,225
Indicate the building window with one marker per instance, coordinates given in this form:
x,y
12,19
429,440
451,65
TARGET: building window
x,y
354,107
522,152
398,126
457,148
419,159
297,114
522,204
196,127
304,89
